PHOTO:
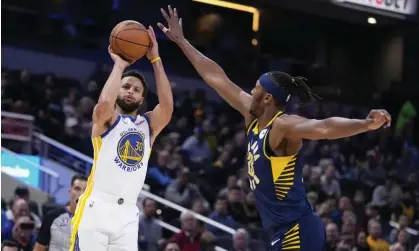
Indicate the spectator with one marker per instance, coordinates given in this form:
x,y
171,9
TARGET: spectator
x,y
236,205
312,198
181,191
361,242
325,209
359,205
388,194
207,241
181,127
407,205
189,237
23,233
23,193
374,238
330,185
402,241
332,236
55,232
205,187
252,215
371,173
397,247
19,209
198,206
349,226
403,223
159,174
221,215
344,204
314,183
149,231
231,182
171,246
197,147
241,240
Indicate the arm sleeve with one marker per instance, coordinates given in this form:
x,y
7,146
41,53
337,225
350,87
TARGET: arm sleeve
x,y
44,234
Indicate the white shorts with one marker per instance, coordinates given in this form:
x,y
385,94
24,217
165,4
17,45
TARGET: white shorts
x,y
106,223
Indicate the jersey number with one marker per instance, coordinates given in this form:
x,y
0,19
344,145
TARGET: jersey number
x,y
251,158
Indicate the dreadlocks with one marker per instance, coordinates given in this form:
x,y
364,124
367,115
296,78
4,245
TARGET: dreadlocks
x,y
295,86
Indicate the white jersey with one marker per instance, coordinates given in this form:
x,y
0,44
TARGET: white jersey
x,y
121,157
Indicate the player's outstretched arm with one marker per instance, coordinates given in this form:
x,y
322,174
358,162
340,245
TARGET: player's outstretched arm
x,y
162,113
105,108
331,128
210,71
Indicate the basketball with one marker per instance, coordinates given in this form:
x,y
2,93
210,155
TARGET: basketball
x,y
129,40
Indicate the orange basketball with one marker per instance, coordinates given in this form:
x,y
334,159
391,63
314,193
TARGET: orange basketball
x,y
129,39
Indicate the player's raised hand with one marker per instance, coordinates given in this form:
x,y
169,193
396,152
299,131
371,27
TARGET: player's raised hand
x,y
153,53
174,31
118,60
378,118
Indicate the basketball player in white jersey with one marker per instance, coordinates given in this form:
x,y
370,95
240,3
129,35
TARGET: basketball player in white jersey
x,y
107,217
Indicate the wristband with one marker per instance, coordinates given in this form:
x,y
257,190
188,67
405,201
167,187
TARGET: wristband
x,y
155,60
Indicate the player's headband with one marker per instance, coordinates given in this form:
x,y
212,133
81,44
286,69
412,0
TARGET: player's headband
x,y
278,93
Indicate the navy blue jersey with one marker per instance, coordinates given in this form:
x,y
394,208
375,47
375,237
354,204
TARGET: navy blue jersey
x,y
276,182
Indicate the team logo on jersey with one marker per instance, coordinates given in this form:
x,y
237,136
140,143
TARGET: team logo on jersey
x,y
263,133
130,151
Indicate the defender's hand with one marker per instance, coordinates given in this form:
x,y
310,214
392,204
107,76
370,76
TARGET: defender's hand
x,y
118,60
153,53
175,30
378,118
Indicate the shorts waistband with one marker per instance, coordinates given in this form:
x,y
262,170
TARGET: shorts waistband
x,y
287,226
114,199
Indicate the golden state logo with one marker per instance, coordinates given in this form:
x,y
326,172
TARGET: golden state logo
x,y
130,151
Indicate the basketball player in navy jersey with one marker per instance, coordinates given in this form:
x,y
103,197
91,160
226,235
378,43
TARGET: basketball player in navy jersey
x,y
274,141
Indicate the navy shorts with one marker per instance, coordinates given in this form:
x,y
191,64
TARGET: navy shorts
x,y
306,235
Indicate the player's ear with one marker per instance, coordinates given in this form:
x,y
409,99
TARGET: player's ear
x,y
268,97
141,100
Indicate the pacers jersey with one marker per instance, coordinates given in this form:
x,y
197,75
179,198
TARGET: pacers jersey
x,y
276,181
121,157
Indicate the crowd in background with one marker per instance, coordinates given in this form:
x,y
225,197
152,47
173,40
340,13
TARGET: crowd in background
x,y
357,185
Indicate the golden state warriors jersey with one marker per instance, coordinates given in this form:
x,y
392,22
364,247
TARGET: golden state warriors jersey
x,y
121,157
276,182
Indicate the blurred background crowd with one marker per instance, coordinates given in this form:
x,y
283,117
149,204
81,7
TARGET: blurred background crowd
x,y
365,188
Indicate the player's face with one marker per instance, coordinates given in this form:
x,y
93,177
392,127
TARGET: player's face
x,y
130,95
77,189
256,106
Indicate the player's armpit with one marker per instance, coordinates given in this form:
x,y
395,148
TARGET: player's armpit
x,y
103,119
330,128
103,112
159,118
